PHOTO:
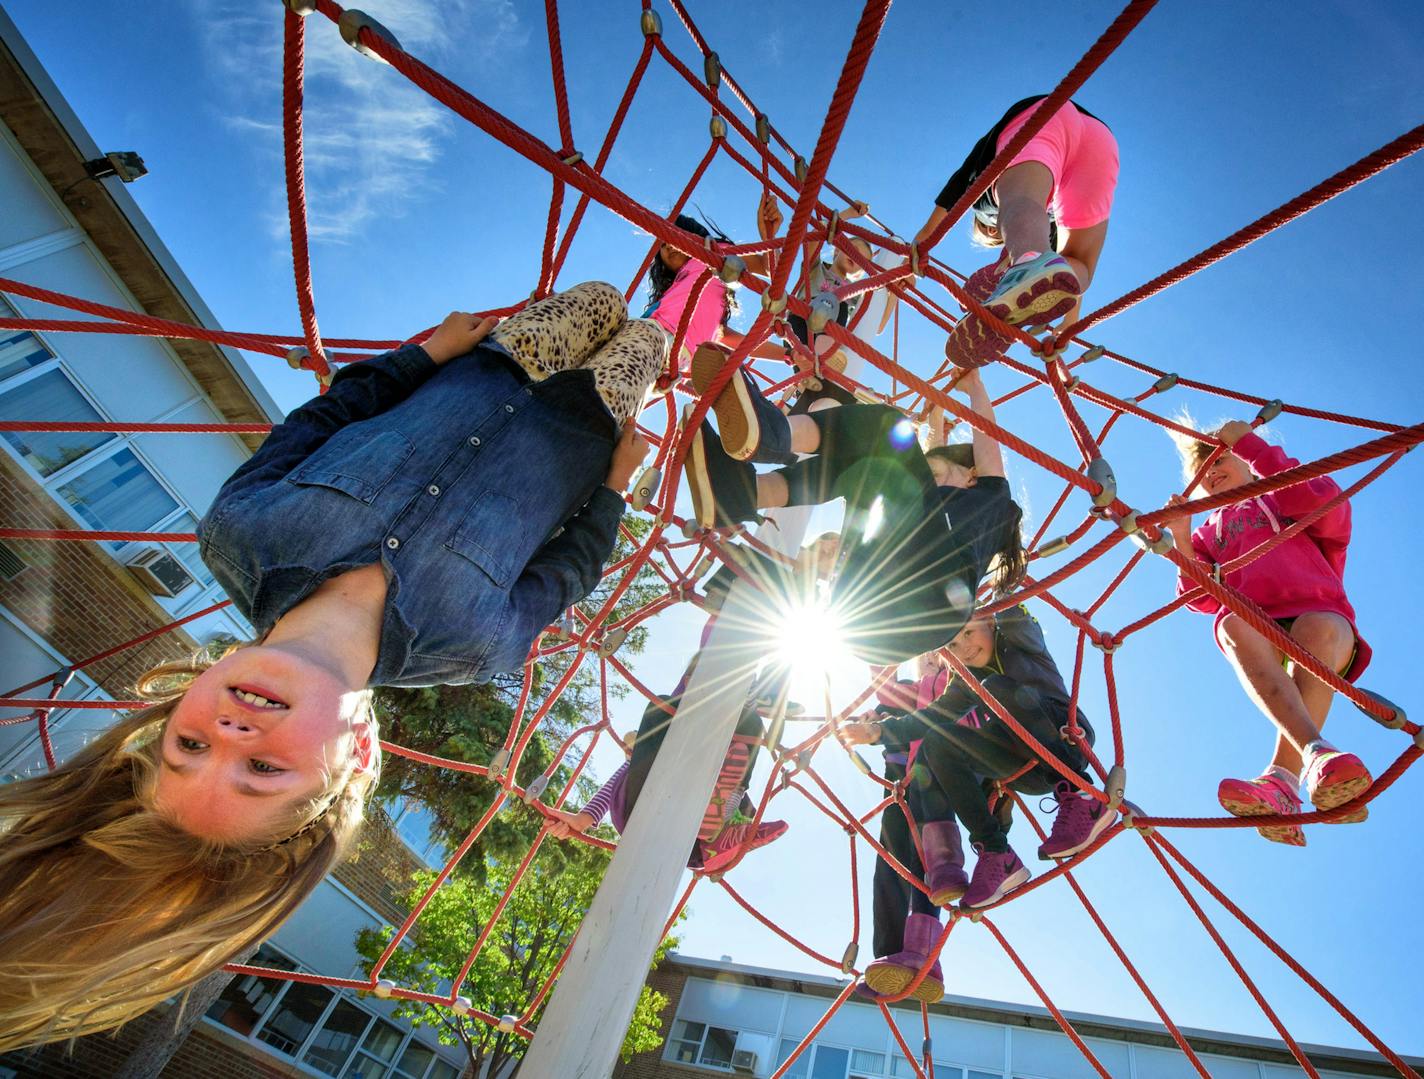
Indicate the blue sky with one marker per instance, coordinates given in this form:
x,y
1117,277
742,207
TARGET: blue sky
x,y
1222,112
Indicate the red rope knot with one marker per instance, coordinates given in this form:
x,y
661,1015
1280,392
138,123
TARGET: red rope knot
x,y
1105,642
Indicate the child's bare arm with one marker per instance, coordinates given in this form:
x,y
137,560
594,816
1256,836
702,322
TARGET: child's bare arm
x,y
988,457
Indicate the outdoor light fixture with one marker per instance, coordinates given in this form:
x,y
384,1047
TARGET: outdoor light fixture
x,y
125,164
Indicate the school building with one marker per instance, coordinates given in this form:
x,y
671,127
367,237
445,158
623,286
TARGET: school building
x,y
67,227
725,1018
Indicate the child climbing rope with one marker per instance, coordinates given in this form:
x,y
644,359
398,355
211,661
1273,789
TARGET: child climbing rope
x,y
419,523
1299,584
964,743
726,825
923,528
906,918
1062,182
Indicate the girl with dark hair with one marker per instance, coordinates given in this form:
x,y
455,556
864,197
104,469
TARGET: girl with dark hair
x,y
921,531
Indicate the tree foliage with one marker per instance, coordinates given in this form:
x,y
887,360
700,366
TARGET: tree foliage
x,y
520,953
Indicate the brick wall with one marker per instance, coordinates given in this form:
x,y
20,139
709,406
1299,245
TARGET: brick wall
x,y
380,869
670,981
76,596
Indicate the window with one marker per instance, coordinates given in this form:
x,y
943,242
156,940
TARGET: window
x,y
685,1041
378,1049
718,1047
442,1070
830,1062
19,349
118,493
50,396
296,1015
187,553
864,1065
802,1067
983,1075
900,1069
247,997
414,1061
337,1037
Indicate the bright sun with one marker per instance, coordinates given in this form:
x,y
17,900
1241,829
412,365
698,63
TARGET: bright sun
x,y
810,645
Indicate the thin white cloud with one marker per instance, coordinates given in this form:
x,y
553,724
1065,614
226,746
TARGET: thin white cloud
x,y
371,137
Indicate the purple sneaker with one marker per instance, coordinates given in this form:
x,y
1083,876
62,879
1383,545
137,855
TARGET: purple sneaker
x,y
1081,819
888,977
996,874
1036,292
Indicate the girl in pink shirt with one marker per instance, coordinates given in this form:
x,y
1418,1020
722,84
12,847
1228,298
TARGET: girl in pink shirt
x,y
1300,585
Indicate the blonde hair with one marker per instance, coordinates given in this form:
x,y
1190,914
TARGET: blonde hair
x,y
1193,451
110,908
980,235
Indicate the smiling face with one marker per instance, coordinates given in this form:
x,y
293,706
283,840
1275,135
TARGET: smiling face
x,y
256,736
974,644
1227,472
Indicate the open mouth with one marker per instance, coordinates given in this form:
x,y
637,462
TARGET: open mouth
x,y
255,698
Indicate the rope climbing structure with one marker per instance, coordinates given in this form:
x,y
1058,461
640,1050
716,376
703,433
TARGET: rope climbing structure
x,y
1094,517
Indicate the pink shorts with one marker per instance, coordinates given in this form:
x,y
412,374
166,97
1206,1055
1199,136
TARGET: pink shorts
x,y
1081,153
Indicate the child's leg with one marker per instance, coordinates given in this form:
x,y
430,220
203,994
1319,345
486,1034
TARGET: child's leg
x,y
624,368
953,754
562,331
1329,638
1258,667
651,732
1023,191
842,438
892,893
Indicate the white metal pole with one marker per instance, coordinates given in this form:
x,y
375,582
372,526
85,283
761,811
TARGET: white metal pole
x,y
583,1027
582,1030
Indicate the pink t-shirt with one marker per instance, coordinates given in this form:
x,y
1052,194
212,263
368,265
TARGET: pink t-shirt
x,y
706,322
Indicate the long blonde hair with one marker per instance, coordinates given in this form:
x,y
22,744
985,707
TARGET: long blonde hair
x,y
108,908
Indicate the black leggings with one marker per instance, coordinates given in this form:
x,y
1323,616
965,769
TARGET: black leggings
x,y
893,895
960,756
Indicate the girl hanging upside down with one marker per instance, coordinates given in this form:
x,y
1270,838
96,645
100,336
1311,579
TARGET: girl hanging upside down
x,y
420,523
1048,210
923,528
1301,585
964,742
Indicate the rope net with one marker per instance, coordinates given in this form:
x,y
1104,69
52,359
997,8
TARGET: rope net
x,y
1094,516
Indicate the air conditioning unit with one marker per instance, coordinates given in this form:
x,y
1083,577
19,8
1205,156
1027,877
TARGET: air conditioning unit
x,y
744,1061
159,572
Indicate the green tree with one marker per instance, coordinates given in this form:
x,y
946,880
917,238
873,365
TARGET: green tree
x,y
522,951
469,723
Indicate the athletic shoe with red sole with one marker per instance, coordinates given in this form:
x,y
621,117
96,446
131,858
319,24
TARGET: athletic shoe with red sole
x,y
729,843
1263,796
1333,778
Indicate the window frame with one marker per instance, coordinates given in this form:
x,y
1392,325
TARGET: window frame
x,y
195,595
707,1028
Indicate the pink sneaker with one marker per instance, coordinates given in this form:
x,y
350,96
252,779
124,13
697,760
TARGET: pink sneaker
x,y
1081,819
1333,778
728,845
996,874
1259,797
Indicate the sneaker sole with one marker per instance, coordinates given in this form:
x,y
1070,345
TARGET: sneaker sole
x,y
890,980
1015,880
1292,835
718,862
1101,825
1331,793
973,344
1039,302
736,416
699,483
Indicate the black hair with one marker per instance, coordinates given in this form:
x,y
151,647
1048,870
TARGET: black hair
x,y
661,276
1008,567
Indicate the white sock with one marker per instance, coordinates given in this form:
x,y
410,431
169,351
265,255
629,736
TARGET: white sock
x,y
1284,774
1027,256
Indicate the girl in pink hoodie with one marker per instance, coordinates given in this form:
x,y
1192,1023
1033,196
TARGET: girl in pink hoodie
x,y
1300,585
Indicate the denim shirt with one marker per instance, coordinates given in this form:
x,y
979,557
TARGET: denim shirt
x,y
479,492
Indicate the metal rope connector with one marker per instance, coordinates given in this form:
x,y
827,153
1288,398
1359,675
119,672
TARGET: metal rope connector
x,y
1094,353
774,304
712,70
1395,722
717,127
384,988
823,310
1270,410
462,1006
1115,785
1048,548
611,642
1165,383
1101,473
651,23
507,1023
297,357
800,168
301,7
763,128
537,786
353,21
646,487
848,957
499,762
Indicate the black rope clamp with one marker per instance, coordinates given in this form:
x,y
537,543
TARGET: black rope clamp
x,y
353,21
